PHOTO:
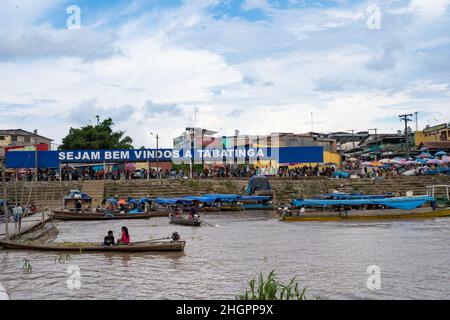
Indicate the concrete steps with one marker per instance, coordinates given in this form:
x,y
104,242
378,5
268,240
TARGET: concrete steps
x,y
96,189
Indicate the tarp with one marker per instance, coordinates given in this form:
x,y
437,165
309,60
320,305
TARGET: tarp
x,y
201,199
255,198
354,196
169,201
223,197
78,195
405,203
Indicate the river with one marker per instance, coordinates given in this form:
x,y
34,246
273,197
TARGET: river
x,y
329,258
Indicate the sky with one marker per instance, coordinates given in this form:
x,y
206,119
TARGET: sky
x,y
258,66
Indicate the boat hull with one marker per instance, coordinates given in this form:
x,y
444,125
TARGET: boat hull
x,y
70,216
231,208
185,222
91,247
387,214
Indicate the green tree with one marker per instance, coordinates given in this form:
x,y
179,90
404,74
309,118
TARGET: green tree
x,y
100,136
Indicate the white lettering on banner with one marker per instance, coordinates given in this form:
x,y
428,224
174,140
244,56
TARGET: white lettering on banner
x,y
69,156
251,153
108,155
175,154
62,156
167,154
138,154
188,154
96,155
260,153
125,155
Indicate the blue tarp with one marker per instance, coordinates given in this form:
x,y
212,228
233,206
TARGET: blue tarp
x,y
201,199
352,196
144,200
133,201
112,201
405,203
83,196
223,197
255,198
341,174
169,201
258,183
135,211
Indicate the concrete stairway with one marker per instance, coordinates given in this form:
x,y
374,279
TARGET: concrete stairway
x,y
95,189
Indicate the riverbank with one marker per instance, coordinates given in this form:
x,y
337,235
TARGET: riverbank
x,y
49,194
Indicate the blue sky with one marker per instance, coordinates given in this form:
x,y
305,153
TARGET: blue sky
x,y
257,66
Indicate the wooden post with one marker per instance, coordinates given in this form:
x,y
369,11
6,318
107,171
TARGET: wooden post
x,y
5,204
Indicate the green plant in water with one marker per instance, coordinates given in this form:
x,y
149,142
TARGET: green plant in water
x,y
271,289
27,267
64,258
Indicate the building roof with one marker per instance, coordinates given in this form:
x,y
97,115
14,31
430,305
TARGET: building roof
x,y
437,145
21,132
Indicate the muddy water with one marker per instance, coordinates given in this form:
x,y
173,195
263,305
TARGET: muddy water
x,y
330,258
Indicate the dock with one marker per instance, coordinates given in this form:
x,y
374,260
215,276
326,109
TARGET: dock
x,y
28,224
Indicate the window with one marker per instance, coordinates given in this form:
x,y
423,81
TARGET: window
x,y
20,139
27,139
2,138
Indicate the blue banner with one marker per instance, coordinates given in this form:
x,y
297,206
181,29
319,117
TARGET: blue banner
x,y
53,159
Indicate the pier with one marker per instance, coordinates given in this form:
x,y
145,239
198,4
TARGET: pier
x,y
29,224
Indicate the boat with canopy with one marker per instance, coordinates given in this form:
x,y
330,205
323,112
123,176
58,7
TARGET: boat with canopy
x,y
363,208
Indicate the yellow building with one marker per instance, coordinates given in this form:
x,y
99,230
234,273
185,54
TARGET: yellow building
x,y
433,134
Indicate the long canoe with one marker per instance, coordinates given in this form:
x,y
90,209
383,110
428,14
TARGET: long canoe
x,y
386,214
185,222
72,216
95,247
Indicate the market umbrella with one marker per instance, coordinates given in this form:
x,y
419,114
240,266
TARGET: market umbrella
x,y
423,149
130,167
434,161
425,155
440,154
132,201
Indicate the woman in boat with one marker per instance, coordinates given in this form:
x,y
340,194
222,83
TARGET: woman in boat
x,y
125,239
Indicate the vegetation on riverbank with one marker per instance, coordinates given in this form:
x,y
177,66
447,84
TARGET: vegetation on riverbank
x,y
272,289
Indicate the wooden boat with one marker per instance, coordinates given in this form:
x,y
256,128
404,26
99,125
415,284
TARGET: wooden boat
x,y
185,222
366,208
257,202
73,216
384,214
95,247
232,207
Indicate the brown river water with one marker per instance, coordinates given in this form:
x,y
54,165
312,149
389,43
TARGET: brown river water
x,y
329,258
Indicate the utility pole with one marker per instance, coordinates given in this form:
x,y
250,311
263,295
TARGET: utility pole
x,y
417,120
5,204
36,167
406,118
353,138
376,142
157,153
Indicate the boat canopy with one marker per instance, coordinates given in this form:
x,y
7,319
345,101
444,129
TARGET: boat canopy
x,y
202,199
352,196
169,201
145,200
132,201
256,198
403,203
223,197
76,194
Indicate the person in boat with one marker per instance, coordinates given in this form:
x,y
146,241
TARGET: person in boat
x,y
109,239
125,239
78,205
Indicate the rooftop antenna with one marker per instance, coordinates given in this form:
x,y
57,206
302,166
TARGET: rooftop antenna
x,y
195,116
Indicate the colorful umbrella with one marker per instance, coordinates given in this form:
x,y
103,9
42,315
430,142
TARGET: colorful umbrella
x,y
425,155
434,161
440,154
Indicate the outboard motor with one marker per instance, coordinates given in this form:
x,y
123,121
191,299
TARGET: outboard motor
x,y
176,236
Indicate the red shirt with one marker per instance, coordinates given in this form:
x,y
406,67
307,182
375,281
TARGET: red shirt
x,y
124,238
